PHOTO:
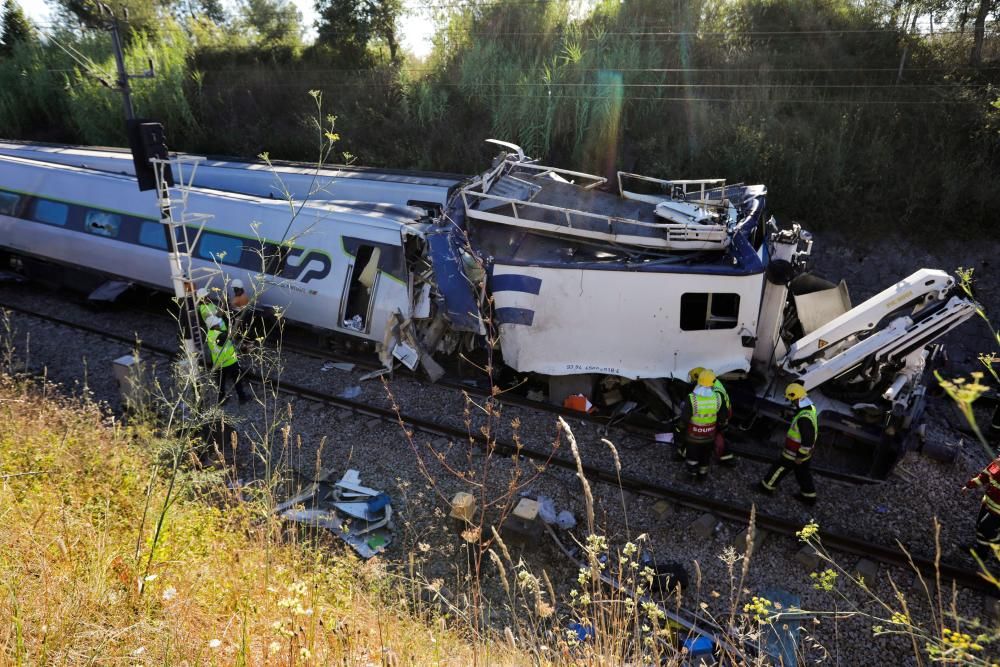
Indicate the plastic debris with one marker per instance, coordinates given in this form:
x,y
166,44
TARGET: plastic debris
x,y
406,354
565,520
536,395
355,323
351,392
665,437
547,509
583,632
578,402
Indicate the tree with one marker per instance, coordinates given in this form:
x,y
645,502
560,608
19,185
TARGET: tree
x,y
274,21
16,28
347,27
986,7
143,16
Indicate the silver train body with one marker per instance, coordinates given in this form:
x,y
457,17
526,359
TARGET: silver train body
x,y
336,266
278,179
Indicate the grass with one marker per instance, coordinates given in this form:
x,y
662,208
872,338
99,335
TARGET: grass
x,y
225,585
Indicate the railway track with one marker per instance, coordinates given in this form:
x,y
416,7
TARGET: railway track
x,y
890,556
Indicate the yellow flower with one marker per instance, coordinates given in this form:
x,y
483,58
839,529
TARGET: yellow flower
x,y
808,531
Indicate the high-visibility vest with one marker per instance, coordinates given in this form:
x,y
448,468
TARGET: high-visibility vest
x,y
222,356
793,439
720,389
207,310
704,415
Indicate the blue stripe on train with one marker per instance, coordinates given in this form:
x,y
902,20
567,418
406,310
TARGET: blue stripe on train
x,y
514,316
512,282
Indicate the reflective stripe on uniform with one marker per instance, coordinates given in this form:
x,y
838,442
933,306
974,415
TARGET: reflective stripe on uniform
x,y
704,414
793,439
720,389
772,482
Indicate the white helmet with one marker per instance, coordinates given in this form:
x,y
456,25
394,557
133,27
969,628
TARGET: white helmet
x,y
237,283
202,293
212,321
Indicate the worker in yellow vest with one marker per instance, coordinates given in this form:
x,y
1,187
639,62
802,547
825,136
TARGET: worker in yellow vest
x,y
799,442
722,452
207,309
224,359
697,426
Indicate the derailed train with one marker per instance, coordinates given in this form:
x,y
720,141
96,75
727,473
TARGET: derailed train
x,y
584,282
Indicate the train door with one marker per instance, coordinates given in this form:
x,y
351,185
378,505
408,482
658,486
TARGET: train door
x,y
360,288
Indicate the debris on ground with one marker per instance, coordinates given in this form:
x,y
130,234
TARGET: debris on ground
x,y
351,392
339,365
359,515
578,402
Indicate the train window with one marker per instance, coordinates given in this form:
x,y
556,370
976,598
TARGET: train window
x,y
702,310
102,223
223,249
153,234
51,212
390,257
8,203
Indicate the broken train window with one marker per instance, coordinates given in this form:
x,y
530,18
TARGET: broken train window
x,y
705,310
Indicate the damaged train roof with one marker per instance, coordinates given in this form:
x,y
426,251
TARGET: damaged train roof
x,y
523,213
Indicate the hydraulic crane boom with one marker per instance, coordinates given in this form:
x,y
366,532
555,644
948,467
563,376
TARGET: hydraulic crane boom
x,y
888,328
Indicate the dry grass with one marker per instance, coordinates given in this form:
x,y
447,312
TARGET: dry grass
x,y
224,587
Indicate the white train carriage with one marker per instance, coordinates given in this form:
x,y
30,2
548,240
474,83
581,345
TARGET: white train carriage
x,y
298,179
335,266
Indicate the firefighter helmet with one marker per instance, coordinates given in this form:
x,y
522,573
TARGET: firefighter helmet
x,y
706,378
694,373
795,392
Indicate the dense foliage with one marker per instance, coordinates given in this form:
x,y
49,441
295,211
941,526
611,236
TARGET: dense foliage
x,y
865,113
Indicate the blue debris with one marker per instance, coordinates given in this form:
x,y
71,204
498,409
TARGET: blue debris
x,y
782,637
583,632
699,647
457,291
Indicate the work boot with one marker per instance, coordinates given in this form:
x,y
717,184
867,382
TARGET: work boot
x,y
760,488
729,462
806,500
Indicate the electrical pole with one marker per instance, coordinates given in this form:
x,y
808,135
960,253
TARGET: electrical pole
x,y
153,170
123,76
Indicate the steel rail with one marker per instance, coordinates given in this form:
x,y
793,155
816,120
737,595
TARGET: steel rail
x,y
891,556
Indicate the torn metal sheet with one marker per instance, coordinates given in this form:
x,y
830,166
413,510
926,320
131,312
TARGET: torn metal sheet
x,y
359,515
458,293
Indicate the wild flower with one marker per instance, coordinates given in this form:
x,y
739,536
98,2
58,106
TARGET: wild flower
x,y
759,607
955,646
808,531
169,593
825,580
214,643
